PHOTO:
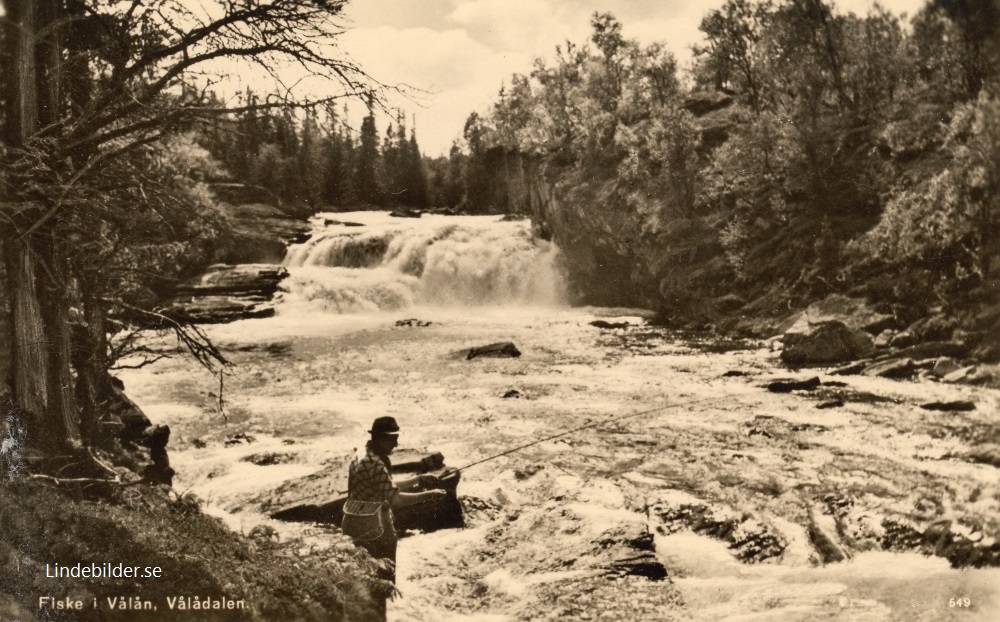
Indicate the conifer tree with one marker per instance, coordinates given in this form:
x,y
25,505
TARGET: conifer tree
x,y
366,181
416,176
390,165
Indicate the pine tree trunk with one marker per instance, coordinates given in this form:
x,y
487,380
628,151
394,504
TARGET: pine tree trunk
x,y
55,300
30,351
91,363
6,333
40,331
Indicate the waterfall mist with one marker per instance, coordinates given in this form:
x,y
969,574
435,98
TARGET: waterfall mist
x,y
368,261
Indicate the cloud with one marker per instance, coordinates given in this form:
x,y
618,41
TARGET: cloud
x,y
424,58
523,25
463,50
458,74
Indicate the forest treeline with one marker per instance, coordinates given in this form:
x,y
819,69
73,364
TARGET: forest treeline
x,y
314,159
809,152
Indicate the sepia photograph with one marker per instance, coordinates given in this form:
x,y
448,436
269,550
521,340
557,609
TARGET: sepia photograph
x,y
499,310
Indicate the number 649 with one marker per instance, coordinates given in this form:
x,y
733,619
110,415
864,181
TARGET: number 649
x,y
959,602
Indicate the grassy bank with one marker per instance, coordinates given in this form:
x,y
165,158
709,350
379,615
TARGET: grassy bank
x,y
198,557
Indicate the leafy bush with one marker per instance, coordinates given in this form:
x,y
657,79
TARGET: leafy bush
x,y
947,222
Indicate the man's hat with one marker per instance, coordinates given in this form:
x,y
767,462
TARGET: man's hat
x,y
385,425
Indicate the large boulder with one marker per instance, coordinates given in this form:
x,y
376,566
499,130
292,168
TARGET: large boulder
x,y
853,312
825,342
891,368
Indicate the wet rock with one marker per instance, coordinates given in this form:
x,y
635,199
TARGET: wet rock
x,y
155,438
609,325
935,349
944,539
639,565
269,458
891,369
638,557
412,461
262,231
880,324
758,431
406,213
225,293
527,472
511,393
904,339
987,453
805,427
343,223
884,338
955,406
504,349
412,322
733,373
960,375
826,342
944,366
749,539
830,404
238,439
787,386
478,511
851,369
852,312
822,531
132,421
145,444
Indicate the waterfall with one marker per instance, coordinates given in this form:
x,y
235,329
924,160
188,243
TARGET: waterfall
x,y
369,261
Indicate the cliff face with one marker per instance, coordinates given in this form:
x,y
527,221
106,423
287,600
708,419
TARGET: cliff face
x,y
627,243
510,182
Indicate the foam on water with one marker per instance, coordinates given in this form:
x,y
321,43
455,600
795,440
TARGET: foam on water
x,y
341,363
390,263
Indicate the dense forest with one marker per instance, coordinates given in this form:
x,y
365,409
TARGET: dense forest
x,y
314,159
810,152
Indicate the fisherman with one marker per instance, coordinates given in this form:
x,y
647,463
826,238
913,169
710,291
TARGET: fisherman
x,y
371,495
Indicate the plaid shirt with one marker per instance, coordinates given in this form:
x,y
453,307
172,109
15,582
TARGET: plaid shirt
x,y
368,478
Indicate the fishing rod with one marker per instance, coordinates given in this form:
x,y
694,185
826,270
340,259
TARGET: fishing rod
x,y
594,424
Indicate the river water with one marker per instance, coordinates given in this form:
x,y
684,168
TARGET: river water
x,y
737,486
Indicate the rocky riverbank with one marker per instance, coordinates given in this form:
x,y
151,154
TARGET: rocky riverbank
x,y
724,498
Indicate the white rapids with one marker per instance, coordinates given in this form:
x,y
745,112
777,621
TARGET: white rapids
x,y
543,523
369,261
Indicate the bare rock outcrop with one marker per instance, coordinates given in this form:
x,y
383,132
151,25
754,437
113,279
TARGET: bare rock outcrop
x,y
824,343
225,293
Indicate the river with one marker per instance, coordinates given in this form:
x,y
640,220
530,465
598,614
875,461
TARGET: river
x,y
761,506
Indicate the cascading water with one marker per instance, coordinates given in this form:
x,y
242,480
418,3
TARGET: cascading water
x,y
369,261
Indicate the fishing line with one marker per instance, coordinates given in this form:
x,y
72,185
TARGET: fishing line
x,y
594,424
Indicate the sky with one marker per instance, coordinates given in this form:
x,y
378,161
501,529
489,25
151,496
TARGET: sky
x,y
461,51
